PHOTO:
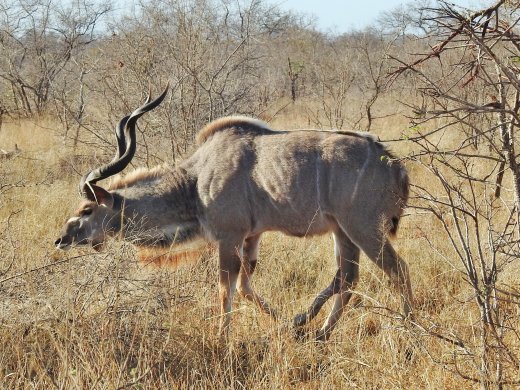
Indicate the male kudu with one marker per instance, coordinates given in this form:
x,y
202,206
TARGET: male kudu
x,y
245,179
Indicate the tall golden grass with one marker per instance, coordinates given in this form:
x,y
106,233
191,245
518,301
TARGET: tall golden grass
x,y
81,319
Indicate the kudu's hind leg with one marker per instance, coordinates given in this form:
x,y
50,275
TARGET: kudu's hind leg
x,y
380,251
319,301
347,259
397,271
249,258
347,256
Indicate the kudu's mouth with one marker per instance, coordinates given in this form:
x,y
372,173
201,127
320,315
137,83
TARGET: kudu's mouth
x,y
65,243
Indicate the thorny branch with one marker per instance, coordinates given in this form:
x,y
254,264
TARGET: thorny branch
x,y
473,85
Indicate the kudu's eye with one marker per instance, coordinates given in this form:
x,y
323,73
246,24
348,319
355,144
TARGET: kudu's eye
x,y
86,212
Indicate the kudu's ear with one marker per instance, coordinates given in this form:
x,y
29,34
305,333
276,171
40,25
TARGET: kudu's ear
x,y
99,195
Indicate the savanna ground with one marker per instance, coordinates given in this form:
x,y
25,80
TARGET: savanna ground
x,y
81,319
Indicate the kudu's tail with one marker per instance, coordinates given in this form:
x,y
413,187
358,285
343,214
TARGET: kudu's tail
x,y
403,192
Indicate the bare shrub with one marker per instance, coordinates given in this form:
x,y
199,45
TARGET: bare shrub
x,y
464,133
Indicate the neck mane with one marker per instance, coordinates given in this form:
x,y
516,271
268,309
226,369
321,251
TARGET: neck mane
x,y
160,213
139,176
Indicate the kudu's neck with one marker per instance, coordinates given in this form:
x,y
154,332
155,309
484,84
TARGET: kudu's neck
x,y
161,210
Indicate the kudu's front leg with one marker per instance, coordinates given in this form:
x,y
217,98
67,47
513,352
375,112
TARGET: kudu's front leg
x,y
230,253
250,255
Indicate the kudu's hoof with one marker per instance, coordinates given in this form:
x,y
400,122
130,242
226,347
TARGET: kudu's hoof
x,y
300,320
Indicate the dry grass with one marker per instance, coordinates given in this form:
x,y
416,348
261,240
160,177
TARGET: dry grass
x,y
80,319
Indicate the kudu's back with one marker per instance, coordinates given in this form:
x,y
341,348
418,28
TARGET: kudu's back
x,y
300,182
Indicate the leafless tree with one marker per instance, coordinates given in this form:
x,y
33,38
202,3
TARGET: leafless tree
x,y
39,40
464,134
212,52
349,79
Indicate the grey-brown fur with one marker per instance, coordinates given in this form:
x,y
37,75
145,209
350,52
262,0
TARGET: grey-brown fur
x,y
245,179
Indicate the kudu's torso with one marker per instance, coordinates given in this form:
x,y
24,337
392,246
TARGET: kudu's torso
x,y
253,179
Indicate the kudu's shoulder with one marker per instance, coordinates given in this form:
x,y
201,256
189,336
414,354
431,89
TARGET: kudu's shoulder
x,y
228,122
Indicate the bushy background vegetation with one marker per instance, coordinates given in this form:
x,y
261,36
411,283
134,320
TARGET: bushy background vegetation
x,y
438,83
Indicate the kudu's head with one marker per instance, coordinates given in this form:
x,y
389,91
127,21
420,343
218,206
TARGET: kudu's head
x,y
99,215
